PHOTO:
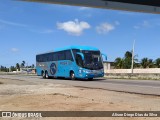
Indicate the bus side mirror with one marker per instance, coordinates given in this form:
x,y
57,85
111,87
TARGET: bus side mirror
x,y
81,54
104,56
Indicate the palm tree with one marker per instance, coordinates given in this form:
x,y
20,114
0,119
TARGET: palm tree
x,y
157,62
151,63
147,63
128,60
23,64
144,62
128,54
18,66
119,63
32,66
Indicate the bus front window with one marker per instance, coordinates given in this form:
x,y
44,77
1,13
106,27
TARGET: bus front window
x,y
92,60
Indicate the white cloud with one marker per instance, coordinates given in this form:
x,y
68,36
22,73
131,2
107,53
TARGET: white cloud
x,y
14,49
73,27
104,28
84,8
12,23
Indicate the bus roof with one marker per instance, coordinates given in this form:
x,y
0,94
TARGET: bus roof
x,y
74,47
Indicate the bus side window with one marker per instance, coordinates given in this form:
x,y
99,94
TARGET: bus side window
x,y
68,55
61,55
47,57
55,56
50,56
41,58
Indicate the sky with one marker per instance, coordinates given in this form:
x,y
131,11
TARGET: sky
x,y
27,29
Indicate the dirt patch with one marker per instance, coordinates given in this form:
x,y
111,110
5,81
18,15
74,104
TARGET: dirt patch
x,y
25,96
15,81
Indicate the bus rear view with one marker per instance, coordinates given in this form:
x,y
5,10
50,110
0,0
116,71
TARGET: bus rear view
x,y
76,62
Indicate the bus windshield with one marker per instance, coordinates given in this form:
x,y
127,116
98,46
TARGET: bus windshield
x,y
92,60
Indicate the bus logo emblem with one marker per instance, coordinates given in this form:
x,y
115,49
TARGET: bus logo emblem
x,y
53,68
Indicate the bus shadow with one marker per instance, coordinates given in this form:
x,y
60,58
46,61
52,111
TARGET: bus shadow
x,y
99,79
62,78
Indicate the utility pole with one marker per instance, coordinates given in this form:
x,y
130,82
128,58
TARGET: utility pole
x,y
133,57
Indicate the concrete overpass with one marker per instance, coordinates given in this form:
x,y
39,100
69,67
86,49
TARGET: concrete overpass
x,y
148,6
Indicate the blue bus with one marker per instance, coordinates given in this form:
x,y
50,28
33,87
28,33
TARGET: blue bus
x,y
75,62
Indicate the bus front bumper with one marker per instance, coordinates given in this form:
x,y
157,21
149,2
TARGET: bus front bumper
x,y
94,75
90,73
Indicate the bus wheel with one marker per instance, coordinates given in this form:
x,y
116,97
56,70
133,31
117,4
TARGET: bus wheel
x,y
46,75
72,76
43,75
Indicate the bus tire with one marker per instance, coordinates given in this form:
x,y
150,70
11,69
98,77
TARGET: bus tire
x,y
72,75
43,75
46,75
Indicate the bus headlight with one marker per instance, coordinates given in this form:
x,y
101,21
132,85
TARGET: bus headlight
x,y
87,71
80,71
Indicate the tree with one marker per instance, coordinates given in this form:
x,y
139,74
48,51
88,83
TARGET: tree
x,y
119,63
157,62
4,69
147,63
12,68
144,62
127,60
23,64
128,54
151,63
33,66
18,66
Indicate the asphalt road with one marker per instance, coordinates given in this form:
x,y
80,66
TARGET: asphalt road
x,y
146,87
